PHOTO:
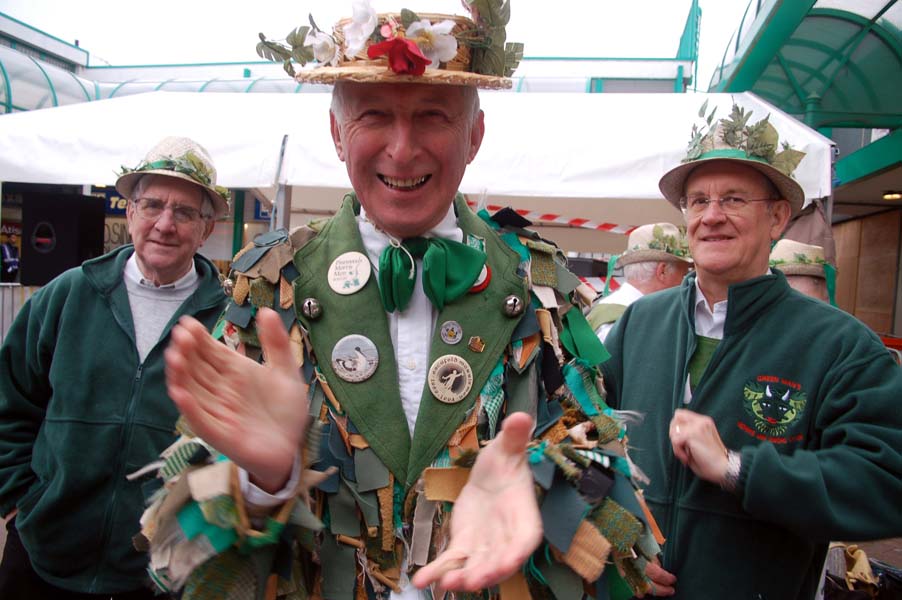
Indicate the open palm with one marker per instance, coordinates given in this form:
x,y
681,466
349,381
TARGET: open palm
x,y
254,414
495,524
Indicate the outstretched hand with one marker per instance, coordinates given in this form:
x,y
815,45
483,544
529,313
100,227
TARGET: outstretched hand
x,y
254,414
495,523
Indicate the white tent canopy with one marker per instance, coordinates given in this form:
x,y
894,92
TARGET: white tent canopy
x,y
580,156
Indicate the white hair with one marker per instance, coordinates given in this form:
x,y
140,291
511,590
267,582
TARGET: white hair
x,y
206,204
640,272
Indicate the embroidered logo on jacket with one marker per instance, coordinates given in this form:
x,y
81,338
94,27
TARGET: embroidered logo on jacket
x,y
774,404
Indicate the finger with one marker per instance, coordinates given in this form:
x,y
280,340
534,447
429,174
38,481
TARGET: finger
x,y
662,582
516,431
681,450
444,563
274,340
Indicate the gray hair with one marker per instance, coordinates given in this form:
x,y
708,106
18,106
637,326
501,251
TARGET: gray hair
x,y
206,204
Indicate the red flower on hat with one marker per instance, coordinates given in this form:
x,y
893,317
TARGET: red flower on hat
x,y
404,56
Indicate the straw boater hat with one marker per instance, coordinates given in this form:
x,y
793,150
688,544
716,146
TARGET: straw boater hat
x,y
732,139
796,258
403,47
182,158
656,242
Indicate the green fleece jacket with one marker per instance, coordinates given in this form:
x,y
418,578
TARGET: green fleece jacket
x,y
808,395
78,412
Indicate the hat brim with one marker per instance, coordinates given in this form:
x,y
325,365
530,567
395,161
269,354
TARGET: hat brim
x,y
812,270
673,182
380,73
650,255
125,185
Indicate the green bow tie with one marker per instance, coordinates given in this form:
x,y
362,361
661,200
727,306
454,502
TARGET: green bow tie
x,y
449,270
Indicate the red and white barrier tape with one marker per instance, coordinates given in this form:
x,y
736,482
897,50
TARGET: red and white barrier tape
x,y
553,218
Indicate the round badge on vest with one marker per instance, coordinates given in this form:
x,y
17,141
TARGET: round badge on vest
x,y
451,332
349,272
355,358
482,282
450,378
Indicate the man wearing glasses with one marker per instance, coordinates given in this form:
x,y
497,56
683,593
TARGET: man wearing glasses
x,y
83,399
772,421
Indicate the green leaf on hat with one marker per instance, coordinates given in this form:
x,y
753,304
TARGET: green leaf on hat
x,y
704,107
272,50
297,37
408,17
787,160
513,54
313,25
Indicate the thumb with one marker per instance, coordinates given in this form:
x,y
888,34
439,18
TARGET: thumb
x,y
516,431
274,340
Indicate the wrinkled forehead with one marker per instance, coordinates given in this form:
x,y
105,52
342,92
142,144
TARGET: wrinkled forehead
x,y
170,189
350,94
725,176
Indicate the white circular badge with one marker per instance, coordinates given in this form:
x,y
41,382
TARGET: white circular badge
x,y
349,273
450,378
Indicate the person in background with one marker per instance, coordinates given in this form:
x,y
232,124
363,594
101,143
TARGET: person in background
x,y
804,267
9,258
656,258
771,420
83,399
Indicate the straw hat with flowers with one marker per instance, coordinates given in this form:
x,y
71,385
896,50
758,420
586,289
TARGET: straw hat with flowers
x,y
404,47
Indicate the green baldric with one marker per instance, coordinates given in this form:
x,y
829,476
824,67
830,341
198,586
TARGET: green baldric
x,y
374,405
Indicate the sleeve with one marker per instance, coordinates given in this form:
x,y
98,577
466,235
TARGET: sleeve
x,y
848,483
24,393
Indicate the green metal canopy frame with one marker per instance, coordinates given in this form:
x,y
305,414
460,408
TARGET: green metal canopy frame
x,y
830,63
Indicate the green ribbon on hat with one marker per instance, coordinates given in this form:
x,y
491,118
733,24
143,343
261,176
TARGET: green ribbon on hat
x,y
449,270
612,264
830,277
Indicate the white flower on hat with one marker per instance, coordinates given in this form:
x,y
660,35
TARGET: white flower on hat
x,y
435,41
324,49
359,30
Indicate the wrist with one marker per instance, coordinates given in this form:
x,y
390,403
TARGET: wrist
x,y
730,478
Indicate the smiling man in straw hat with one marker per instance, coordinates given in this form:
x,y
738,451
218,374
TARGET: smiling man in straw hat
x,y
656,258
418,334
772,421
83,398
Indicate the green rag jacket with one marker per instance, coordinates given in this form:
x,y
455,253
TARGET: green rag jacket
x,y
78,412
808,395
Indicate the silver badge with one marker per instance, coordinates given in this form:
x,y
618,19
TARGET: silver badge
x,y
349,273
451,332
450,378
355,358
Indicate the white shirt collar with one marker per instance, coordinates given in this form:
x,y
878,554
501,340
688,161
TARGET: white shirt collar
x,y
709,321
375,240
133,273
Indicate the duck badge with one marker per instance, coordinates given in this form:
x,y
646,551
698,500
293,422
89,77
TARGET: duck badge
x,y
355,358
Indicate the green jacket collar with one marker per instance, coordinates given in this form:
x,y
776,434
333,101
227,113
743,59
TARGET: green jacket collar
x,y
746,300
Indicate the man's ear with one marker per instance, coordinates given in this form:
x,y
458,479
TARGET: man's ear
x,y
780,213
336,136
661,271
477,132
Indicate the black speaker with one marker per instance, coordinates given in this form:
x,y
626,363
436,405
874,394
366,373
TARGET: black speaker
x,y
58,232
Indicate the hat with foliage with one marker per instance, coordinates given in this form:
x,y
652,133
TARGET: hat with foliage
x,y
796,258
182,158
734,139
656,242
404,47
